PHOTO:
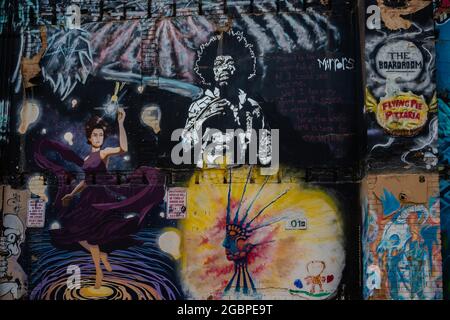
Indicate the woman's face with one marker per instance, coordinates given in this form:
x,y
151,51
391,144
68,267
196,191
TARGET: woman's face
x,y
97,137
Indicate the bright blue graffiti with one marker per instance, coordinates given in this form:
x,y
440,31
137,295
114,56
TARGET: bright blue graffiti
x,y
445,230
443,87
405,249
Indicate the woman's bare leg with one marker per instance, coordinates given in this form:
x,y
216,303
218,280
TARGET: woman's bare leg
x,y
85,245
104,258
103,255
95,252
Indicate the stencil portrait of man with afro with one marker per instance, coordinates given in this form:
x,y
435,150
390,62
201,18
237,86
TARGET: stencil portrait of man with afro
x,y
224,65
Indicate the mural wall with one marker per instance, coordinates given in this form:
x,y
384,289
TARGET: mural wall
x,y
401,103
445,225
443,85
441,15
249,237
161,150
256,237
401,238
287,71
121,116
13,273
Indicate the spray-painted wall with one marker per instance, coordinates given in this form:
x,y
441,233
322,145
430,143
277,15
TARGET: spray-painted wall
x,y
401,101
14,277
290,58
401,239
442,13
94,100
101,109
294,238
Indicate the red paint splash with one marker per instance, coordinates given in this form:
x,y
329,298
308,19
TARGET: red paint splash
x,y
204,241
210,260
220,271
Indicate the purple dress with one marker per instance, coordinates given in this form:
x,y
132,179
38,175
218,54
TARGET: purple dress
x,y
106,214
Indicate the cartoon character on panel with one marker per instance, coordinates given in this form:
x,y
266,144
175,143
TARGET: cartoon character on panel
x,y
98,214
315,278
12,276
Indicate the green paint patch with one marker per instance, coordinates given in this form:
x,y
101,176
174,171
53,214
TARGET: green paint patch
x,y
309,294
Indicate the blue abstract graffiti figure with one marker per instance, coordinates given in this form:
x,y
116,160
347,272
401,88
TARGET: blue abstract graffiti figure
x,y
403,249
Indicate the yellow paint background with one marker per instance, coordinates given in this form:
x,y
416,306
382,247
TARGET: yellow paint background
x,y
282,261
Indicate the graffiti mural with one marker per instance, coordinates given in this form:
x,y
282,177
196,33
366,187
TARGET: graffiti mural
x,y
441,9
167,62
13,278
285,85
393,12
226,107
401,238
253,237
98,91
97,238
400,98
442,24
77,158
91,223
445,225
442,80
141,272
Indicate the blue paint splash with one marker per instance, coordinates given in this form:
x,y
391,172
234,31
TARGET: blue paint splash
x,y
390,202
298,283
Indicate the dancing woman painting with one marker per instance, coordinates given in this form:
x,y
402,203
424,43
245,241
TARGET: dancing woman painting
x,y
99,216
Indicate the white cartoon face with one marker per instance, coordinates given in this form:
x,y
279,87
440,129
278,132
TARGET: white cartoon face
x,y
14,234
224,68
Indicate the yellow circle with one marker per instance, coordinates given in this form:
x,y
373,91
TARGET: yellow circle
x,y
92,292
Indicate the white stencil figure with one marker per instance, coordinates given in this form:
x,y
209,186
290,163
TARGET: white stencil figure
x,y
225,64
12,237
13,231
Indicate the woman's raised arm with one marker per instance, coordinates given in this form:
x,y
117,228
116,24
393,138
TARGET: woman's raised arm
x,y
123,141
